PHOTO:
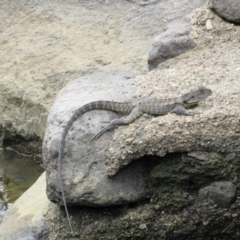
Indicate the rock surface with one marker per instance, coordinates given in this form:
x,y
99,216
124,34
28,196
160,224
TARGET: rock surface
x,y
217,127
174,183
171,210
229,10
220,193
46,44
3,200
25,218
83,168
171,43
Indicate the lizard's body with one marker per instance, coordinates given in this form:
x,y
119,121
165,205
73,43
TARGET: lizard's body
x,y
135,109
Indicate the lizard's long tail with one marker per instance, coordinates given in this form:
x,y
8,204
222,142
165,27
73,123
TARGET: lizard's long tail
x,y
106,105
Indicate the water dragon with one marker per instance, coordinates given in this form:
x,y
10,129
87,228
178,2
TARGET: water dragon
x,y
135,108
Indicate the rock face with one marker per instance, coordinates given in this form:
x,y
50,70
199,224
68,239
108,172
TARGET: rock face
x,y
171,43
41,53
25,218
216,128
173,182
3,199
229,10
84,163
220,193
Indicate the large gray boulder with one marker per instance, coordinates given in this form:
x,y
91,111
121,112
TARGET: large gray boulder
x,y
229,10
84,161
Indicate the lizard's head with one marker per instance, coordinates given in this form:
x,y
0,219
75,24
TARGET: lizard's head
x,y
192,98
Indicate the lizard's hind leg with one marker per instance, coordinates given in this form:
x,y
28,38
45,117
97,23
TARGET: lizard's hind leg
x,y
136,112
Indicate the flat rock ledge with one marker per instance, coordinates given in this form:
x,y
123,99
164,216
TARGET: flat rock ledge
x,y
212,130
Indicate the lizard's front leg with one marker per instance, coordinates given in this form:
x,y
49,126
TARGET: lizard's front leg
x,y
136,112
180,109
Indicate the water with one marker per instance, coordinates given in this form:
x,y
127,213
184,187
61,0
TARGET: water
x,y
20,172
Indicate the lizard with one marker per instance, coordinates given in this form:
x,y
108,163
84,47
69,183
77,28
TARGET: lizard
x,y
180,105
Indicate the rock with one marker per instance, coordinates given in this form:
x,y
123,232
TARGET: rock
x,y
171,43
204,156
48,67
220,193
3,198
216,128
25,218
34,212
118,40
3,195
3,177
209,25
142,226
83,168
143,3
230,156
3,208
1,136
229,10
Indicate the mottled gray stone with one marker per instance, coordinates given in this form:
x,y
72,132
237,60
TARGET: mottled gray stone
x,y
221,193
84,161
199,155
171,43
229,10
230,156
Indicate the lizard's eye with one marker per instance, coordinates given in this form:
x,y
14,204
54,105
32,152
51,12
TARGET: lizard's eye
x,y
192,98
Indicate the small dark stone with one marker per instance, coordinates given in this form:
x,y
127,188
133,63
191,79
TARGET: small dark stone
x,y
199,155
221,193
171,43
230,156
229,10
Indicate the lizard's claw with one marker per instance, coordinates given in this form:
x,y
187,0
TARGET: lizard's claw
x,y
113,123
100,133
193,112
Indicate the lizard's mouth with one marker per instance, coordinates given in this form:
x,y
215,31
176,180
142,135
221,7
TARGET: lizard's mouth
x,y
192,104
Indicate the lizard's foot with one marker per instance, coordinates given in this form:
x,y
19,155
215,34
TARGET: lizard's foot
x,y
180,110
100,133
192,112
108,127
104,121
